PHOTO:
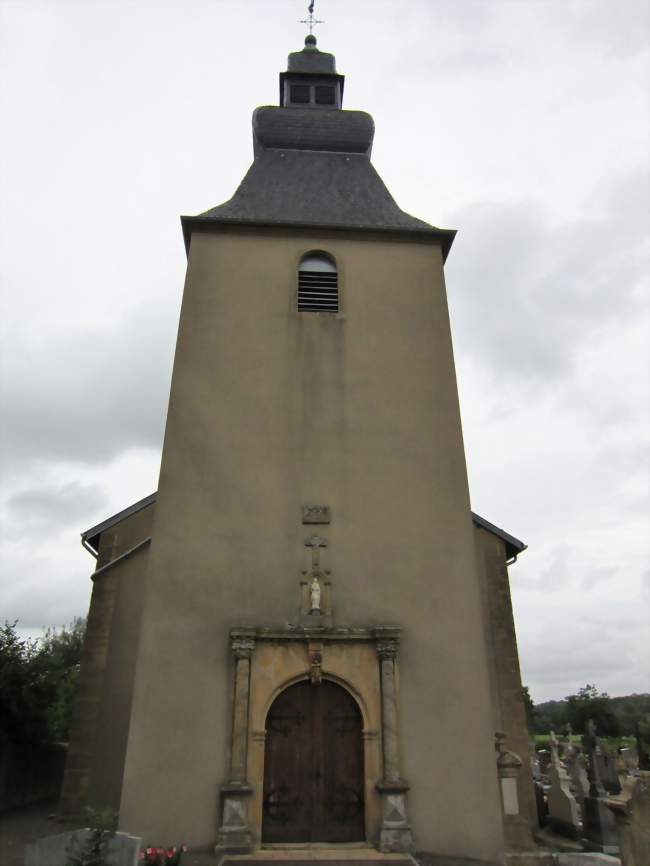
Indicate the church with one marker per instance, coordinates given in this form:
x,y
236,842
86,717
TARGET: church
x,y
305,636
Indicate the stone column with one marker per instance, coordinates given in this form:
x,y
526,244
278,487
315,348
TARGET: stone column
x,y
234,834
395,833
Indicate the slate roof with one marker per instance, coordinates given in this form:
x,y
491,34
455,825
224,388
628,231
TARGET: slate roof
x,y
312,169
90,538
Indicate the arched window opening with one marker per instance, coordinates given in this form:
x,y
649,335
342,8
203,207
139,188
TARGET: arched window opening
x,y
318,284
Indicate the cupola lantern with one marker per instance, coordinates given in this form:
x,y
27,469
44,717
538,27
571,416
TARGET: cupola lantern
x,y
311,80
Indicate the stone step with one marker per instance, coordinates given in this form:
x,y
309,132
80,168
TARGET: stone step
x,y
318,856
340,860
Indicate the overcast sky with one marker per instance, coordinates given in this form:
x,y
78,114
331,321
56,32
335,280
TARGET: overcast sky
x,y
524,124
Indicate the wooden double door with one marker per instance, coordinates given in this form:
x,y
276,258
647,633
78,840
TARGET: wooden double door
x,y
313,766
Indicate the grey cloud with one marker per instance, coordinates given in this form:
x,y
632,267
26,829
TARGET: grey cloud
x,y
596,576
586,652
524,294
41,590
554,575
49,508
87,397
618,31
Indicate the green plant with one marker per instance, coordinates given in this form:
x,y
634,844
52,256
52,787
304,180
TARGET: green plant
x,y
92,851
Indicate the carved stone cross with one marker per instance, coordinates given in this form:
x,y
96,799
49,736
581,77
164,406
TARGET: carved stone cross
x,y
315,542
591,742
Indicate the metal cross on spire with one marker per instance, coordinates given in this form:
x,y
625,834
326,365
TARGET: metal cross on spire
x,y
311,21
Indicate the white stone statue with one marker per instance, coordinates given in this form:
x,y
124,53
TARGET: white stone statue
x,y
314,592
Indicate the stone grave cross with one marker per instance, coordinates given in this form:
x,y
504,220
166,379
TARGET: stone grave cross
x,y
592,744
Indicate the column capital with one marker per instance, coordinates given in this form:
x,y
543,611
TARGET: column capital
x,y
387,641
242,643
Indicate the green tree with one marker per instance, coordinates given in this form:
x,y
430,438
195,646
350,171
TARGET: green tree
x,y
549,716
60,652
38,683
529,707
589,703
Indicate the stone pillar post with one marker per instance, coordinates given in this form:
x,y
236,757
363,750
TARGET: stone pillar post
x,y
234,834
395,833
516,829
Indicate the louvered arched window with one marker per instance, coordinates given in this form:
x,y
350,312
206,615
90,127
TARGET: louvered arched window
x,y
318,284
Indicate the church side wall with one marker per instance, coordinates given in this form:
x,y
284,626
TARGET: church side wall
x,y
509,711
113,724
77,778
270,410
94,765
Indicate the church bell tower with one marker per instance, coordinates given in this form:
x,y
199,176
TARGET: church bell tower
x,y
312,639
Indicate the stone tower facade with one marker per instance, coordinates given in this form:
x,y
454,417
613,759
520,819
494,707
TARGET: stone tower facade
x,y
311,550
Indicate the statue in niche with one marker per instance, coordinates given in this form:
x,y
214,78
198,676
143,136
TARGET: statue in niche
x,y
315,594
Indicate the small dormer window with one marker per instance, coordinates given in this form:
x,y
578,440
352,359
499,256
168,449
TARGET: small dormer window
x,y
318,284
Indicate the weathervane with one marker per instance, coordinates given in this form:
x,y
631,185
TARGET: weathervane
x,y
311,21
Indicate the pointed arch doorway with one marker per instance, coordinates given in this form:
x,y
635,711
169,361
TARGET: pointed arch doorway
x,y
313,766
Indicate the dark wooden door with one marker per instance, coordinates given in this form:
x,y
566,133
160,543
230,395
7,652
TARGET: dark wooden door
x,y
313,766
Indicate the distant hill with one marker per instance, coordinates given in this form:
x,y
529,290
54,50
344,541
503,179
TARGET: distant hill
x,y
613,716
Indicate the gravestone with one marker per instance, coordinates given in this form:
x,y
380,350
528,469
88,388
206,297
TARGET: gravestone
x,y
642,736
630,758
599,825
576,766
544,758
534,761
122,849
563,814
632,813
607,771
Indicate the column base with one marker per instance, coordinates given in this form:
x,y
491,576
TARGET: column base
x,y
395,834
234,836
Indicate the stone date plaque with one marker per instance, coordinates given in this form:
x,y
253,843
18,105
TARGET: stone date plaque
x,y
316,514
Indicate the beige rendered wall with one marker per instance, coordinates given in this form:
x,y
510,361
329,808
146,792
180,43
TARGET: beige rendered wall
x,y
269,410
